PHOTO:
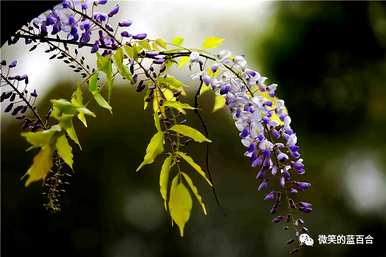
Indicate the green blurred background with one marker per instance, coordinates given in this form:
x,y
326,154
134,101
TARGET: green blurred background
x,y
329,60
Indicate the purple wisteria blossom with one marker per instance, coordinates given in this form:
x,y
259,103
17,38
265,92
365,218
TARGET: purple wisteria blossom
x,y
80,22
265,131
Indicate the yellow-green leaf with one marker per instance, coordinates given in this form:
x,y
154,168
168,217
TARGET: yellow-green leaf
x,y
177,41
156,121
190,132
197,167
155,147
164,178
102,102
180,204
162,43
182,61
204,88
212,42
93,83
77,97
104,64
64,150
122,68
195,191
219,103
42,163
178,106
40,138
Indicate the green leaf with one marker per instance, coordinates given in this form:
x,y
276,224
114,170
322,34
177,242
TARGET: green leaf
x,y
212,42
131,52
40,138
219,103
77,100
197,167
190,132
195,191
77,97
155,147
178,106
41,166
102,102
72,134
66,123
180,204
156,121
104,64
182,61
93,83
164,178
144,44
162,43
64,150
204,88
177,41
122,69
171,82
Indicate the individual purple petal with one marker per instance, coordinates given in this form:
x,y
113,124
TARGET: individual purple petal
x,y
125,34
85,38
125,23
270,196
12,64
206,79
102,2
282,182
66,4
95,47
303,185
140,36
225,89
277,219
263,185
109,28
159,61
113,11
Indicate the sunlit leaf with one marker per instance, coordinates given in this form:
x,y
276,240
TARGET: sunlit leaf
x,y
93,83
102,102
212,42
219,103
131,52
195,191
104,64
67,124
164,178
42,163
122,68
197,167
182,61
181,107
204,88
162,43
180,204
64,150
40,138
157,121
155,147
190,132
177,41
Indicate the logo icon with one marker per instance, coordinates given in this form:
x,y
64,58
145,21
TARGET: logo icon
x,y
305,239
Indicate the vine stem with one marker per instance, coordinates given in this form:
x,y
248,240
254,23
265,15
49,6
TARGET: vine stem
x,y
25,101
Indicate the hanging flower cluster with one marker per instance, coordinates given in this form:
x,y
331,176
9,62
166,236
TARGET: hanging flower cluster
x,y
265,131
259,115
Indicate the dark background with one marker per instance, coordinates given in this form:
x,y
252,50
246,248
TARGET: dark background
x,y
329,60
